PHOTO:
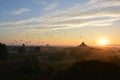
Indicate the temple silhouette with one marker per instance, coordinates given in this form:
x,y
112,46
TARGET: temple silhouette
x,y
83,45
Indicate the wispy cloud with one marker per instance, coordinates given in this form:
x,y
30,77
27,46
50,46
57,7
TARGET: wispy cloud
x,y
48,6
43,2
91,13
20,11
51,6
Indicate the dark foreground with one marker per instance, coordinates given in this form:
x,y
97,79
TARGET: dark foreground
x,y
31,69
53,63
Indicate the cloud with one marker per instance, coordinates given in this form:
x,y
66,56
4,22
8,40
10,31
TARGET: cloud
x,y
48,6
43,2
20,11
92,13
51,6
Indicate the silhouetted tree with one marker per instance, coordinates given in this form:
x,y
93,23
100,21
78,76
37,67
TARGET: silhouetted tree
x,y
22,49
3,50
37,49
93,70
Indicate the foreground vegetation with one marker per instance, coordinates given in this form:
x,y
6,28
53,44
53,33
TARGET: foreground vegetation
x,y
67,64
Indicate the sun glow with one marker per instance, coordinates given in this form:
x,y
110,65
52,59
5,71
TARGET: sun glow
x,y
102,42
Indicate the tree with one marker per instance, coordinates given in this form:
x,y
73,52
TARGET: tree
x,y
3,50
37,49
22,49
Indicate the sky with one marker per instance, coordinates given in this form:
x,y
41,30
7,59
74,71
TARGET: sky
x,y
59,22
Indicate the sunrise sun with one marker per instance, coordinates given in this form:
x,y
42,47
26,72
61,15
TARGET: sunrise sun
x,y
102,42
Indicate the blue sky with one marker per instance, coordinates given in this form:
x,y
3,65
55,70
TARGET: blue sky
x,y
35,7
88,18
